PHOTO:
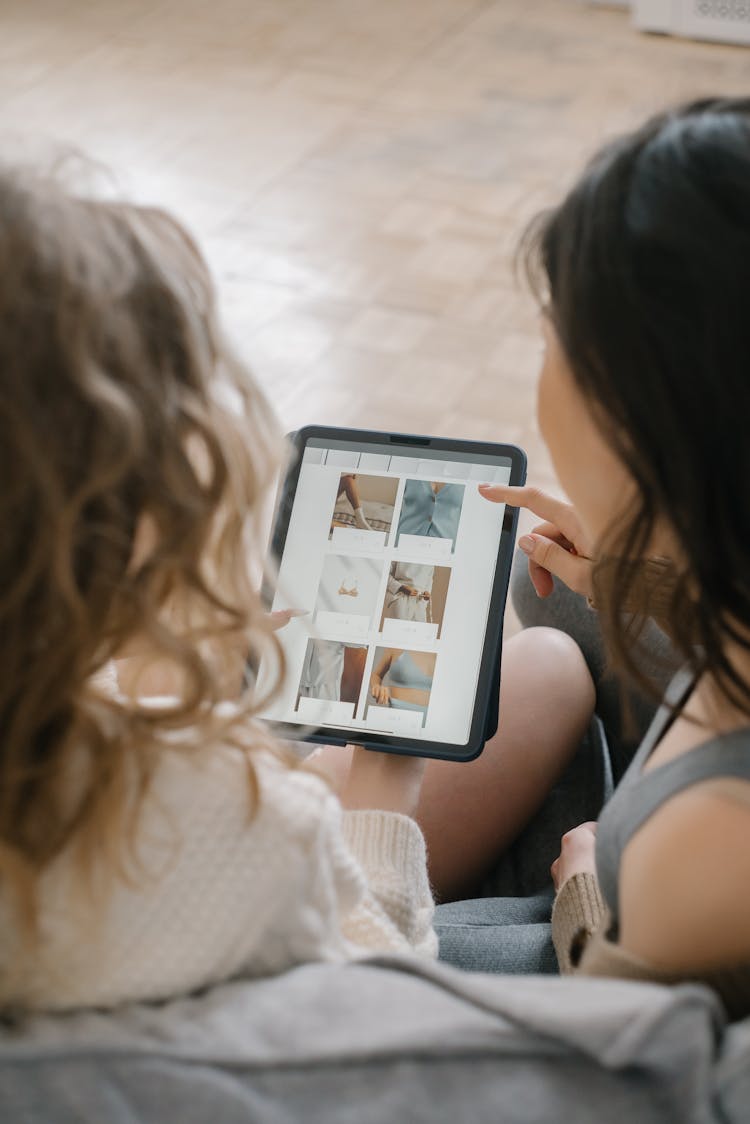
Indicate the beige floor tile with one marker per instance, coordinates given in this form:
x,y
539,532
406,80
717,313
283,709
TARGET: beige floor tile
x,y
385,329
359,173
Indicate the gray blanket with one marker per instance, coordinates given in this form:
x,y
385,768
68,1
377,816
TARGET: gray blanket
x,y
390,1039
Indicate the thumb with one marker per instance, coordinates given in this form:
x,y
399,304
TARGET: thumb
x,y
573,569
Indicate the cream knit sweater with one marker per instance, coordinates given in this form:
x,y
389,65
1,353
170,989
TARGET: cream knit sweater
x,y
224,892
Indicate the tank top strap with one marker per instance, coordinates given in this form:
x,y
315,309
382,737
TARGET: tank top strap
x,y
674,697
725,756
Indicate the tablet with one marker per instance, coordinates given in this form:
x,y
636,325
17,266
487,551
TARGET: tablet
x,y
398,569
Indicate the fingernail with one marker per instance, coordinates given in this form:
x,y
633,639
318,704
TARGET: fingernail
x,y
526,543
483,487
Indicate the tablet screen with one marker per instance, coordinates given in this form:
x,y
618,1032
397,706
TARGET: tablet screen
x,y
390,559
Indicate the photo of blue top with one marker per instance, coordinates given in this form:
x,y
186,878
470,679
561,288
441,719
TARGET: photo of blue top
x,y
431,509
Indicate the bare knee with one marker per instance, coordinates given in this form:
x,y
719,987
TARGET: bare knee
x,y
555,670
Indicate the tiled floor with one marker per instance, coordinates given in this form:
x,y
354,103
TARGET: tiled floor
x,y
358,172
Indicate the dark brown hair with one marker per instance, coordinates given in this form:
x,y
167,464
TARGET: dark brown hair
x,y
646,264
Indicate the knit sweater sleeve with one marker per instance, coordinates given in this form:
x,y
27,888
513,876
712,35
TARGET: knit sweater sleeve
x,y
580,921
396,908
578,913
579,930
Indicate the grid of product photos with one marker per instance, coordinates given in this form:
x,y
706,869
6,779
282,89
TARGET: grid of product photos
x,y
370,637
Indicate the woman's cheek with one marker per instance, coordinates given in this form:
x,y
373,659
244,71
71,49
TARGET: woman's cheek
x,y
565,431
554,423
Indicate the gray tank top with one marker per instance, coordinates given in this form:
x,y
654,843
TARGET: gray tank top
x,y
639,794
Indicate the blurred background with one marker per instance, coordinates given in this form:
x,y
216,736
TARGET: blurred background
x,y
358,173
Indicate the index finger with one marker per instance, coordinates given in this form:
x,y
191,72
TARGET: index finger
x,y
535,501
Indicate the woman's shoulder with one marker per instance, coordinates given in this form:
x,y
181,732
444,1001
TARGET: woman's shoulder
x,y
684,876
240,785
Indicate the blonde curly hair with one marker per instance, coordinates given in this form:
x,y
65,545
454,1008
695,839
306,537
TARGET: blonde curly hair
x,y
136,454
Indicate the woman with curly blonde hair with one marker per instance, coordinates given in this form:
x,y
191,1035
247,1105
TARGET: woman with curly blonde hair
x,y
154,838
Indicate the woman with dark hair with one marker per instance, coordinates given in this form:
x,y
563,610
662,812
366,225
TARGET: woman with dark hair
x,y
643,399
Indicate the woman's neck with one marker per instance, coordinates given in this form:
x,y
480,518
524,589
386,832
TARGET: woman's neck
x,y
709,705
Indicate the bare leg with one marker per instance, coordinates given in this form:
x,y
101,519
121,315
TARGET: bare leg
x,y
470,812
351,490
349,486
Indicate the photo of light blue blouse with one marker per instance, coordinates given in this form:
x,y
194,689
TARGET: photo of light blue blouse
x,y
431,513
